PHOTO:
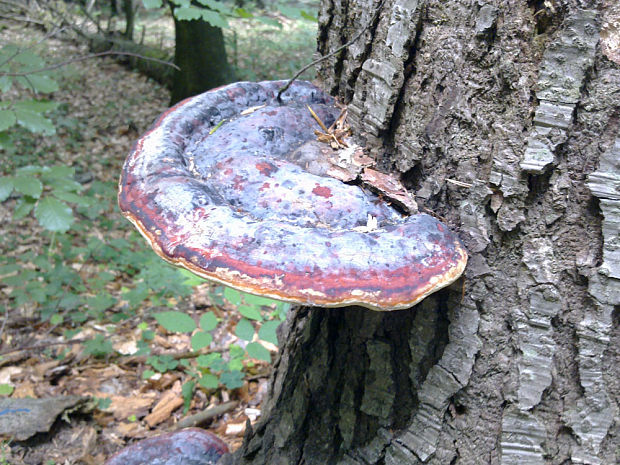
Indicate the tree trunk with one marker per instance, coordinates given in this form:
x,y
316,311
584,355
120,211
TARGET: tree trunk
x,y
503,117
201,57
130,16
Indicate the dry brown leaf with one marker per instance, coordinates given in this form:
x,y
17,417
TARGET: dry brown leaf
x,y
42,369
131,430
169,402
388,186
236,427
124,407
23,390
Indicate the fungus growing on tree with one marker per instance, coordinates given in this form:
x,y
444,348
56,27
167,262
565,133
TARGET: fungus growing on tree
x,y
184,447
233,186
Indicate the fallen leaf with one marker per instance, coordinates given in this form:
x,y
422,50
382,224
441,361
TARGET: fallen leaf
x,y
169,402
391,188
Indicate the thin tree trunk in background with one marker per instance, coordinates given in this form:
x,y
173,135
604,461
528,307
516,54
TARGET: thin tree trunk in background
x,y
520,101
130,14
200,53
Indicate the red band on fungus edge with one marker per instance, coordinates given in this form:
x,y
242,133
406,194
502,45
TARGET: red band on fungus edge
x,y
242,200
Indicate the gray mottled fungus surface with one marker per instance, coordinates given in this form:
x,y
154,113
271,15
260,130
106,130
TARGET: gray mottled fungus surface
x,y
222,186
192,446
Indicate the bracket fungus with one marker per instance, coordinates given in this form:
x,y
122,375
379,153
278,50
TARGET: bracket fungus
x,y
233,186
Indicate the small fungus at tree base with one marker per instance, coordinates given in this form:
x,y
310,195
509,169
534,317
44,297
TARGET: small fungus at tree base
x,y
229,185
191,446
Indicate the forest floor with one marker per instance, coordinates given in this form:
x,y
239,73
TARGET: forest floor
x,y
89,342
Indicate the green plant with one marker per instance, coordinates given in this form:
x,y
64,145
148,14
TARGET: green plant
x,y
6,389
49,192
5,451
84,264
217,12
212,369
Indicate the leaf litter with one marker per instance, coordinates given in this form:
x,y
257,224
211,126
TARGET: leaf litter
x,y
106,108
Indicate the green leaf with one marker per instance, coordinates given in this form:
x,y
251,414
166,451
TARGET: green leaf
x,y
258,300
291,11
214,5
71,197
236,364
187,390
149,4
243,13
5,84
136,296
6,143
209,381
258,351
213,361
6,187
308,16
79,317
28,58
232,295
190,278
53,214
62,184
253,313
200,340
236,351
6,389
39,106
98,347
28,186
7,119
34,122
269,21
29,170
232,379
174,321
208,321
59,171
188,13
267,331
42,83
244,330
103,402
100,302
23,207
215,19
162,363
146,374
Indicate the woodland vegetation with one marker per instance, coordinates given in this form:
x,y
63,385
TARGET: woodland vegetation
x,y
501,117
87,308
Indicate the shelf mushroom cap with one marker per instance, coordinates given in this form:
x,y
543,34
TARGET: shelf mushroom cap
x,y
223,186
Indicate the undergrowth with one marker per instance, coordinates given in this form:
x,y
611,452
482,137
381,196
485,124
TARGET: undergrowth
x,y
82,265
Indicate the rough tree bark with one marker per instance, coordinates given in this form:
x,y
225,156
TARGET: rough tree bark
x,y
503,117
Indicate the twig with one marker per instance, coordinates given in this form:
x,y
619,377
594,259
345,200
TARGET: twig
x,y
317,119
22,19
204,416
88,57
92,20
177,355
43,346
19,51
459,183
329,55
